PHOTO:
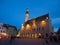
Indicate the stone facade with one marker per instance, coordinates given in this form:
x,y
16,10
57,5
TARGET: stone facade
x,y
2,28
39,27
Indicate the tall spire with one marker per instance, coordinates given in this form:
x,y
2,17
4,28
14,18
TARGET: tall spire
x,y
27,15
27,11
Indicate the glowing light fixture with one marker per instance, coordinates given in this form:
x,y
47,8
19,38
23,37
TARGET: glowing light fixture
x,y
35,35
43,23
34,24
22,28
39,34
4,34
27,27
18,35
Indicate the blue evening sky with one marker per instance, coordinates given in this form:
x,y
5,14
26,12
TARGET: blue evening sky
x,y
13,11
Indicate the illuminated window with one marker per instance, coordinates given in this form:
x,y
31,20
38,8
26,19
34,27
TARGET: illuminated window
x,y
33,35
27,35
34,24
39,35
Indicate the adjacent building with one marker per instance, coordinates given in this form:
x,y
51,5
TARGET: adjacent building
x,y
2,31
2,28
11,30
7,30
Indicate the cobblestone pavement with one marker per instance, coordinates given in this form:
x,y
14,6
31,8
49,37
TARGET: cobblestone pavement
x,y
27,42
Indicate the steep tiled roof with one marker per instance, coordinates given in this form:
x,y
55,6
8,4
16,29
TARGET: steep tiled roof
x,y
40,18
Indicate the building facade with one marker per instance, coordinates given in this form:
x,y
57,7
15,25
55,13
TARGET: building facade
x,y
3,31
39,27
7,30
2,28
11,30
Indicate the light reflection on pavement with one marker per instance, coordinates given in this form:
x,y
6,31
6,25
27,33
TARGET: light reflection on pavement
x,y
26,42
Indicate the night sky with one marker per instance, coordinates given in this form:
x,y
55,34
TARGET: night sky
x,y
13,11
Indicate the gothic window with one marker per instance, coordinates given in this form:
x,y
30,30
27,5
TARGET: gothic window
x,y
1,30
0,27
33,29
46,35
42,28
42,36
39,28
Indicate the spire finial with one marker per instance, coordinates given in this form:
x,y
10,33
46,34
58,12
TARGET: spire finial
x,y
27,10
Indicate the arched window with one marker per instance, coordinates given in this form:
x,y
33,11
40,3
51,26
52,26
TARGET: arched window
x,y
46,34
1,30
0,27
39,28
43,28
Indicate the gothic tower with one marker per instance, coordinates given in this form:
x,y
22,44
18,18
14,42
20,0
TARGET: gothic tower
x,y
27,15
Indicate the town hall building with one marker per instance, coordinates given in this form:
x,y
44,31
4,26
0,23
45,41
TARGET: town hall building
x,y
39,27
